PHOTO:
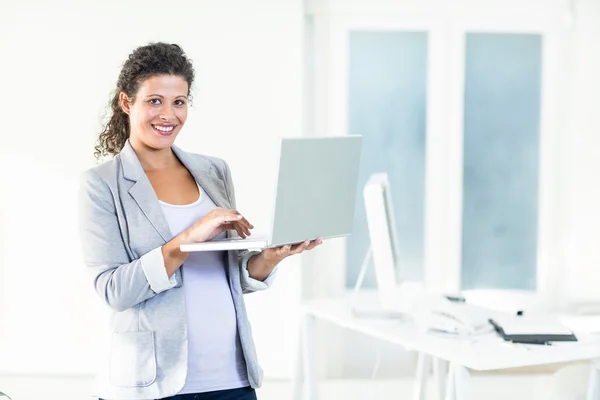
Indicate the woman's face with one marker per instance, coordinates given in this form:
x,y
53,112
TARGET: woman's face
x,y
158,111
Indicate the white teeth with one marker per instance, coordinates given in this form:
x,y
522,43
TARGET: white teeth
x,y
164,128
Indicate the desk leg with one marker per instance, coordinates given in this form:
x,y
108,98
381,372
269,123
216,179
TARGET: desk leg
x,y
297,378
440,371
458,385
423,365
308,355
594,385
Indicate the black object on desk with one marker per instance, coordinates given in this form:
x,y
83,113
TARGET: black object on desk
x,y
455,299
527,337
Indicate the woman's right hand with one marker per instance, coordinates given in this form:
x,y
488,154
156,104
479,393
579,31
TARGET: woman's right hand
x,y
217,221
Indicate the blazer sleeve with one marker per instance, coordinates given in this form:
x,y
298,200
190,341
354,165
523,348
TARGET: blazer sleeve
x,y
249,284
120,282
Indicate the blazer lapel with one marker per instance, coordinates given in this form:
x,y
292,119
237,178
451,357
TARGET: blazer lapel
x,y
143,193
204,173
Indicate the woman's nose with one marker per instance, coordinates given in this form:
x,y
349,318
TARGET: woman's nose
x,y
167,113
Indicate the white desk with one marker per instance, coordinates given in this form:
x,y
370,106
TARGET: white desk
x,y
481,353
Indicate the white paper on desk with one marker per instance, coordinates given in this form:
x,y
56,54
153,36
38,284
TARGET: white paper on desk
x,y
514,325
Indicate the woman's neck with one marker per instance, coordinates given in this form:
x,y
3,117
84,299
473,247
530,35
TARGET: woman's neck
x,y
155,159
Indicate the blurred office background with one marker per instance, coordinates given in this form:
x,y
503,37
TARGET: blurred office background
x,y
485,115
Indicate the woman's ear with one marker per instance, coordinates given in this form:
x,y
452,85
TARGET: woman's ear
x,y
125,102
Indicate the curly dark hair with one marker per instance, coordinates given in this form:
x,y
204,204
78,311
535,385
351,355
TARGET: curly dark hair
x,y
145,62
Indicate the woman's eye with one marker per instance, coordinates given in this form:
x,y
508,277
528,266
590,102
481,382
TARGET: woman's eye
x,y
180,102
154,101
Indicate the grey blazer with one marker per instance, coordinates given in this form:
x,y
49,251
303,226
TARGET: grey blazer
x,y
122,230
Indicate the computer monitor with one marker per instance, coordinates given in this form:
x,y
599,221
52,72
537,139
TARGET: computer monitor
x,y
383,236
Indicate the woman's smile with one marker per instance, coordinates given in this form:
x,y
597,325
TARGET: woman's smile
x,y
163,129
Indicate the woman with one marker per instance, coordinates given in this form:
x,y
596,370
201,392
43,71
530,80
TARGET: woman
x,y
179,325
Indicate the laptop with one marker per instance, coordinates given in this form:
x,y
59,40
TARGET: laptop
x,y
314,196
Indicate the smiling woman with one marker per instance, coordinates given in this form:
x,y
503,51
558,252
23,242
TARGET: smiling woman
x,y
148,69
158,117
179,328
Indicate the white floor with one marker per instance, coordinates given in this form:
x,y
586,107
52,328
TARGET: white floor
x,y
568,384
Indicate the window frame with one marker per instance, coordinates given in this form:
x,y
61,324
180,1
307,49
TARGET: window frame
x,y
444,132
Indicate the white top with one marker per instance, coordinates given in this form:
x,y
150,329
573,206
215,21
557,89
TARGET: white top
x,y
215,358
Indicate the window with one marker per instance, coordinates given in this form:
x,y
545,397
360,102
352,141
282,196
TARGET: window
x,y
464,115
501,160
387,95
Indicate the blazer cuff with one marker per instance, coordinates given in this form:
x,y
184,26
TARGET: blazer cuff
x,y
252,284
153,265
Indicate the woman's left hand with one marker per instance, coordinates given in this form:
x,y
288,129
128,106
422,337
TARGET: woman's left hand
x,y
261,265
275,255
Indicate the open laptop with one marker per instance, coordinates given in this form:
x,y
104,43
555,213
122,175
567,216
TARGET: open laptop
x,y
314,196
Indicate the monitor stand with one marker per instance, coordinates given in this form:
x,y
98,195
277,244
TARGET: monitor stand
x,y
373,309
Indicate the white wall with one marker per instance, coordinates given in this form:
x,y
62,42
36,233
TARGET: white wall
x,y
59,63
581,270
